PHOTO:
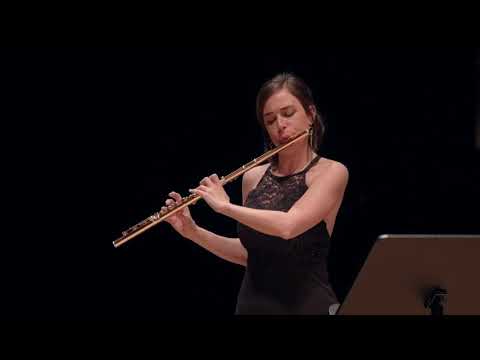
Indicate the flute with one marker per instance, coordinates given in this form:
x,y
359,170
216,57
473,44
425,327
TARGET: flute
x,y
160,216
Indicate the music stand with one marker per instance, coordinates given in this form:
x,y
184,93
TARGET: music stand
x,y
418,275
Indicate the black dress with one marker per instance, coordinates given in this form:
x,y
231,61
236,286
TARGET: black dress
x,y
284,276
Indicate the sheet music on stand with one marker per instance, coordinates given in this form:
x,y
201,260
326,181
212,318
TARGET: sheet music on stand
x,y
418,275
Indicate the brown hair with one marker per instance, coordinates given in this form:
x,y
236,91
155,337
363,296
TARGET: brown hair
x,y
302,92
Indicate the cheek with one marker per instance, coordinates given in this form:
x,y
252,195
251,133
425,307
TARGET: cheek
x,y
302,120
270,131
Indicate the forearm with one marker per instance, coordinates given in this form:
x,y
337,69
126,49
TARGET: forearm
x,y
270,222
229,249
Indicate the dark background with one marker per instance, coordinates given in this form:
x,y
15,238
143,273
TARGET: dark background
x,y
94,140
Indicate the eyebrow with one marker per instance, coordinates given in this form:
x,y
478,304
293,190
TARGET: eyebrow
x,y
283,108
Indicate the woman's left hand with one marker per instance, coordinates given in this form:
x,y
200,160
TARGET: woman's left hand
x,y
211,190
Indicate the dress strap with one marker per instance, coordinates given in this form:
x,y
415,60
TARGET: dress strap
x,y
313,162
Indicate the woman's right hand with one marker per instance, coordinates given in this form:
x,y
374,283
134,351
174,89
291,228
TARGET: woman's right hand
x,y
181,221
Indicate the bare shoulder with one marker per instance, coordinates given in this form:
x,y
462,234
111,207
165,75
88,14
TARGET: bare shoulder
x,y
251,178
328,168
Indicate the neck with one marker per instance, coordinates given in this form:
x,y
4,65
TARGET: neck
x,y
293,160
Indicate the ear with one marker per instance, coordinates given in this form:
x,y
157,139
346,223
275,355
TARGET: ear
x,y
313,111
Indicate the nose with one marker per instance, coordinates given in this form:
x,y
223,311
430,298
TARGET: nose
x,y
282,122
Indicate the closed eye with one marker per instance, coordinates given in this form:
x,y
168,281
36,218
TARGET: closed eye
x,y
269,120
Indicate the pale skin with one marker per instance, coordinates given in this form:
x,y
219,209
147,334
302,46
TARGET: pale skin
x,y
284,117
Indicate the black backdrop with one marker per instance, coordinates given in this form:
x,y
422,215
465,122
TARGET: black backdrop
x,y
94,139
